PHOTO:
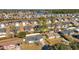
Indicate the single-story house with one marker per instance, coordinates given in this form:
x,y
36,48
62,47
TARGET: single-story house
x,y
2,32
31,38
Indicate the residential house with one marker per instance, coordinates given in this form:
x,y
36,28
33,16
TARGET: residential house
x,y
31,38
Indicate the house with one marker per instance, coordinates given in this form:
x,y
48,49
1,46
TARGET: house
x,y
68,32
31,38
77,30
17,24
52,34
27,28
2,25
2,31
71,28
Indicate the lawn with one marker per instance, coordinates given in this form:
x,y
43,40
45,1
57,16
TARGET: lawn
x,y
31,46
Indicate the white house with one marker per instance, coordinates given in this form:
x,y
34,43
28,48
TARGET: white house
x,y
17,24
2,25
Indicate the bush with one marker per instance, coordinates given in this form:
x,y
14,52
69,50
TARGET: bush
x,y
21,34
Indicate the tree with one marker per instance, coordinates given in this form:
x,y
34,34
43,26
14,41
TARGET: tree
x,y
46,47
74,45
43,24
21,34
13,28
62,47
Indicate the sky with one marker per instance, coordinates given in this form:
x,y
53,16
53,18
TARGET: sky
x,y
39,4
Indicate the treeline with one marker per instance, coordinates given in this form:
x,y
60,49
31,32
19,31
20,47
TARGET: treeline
x,y
64,11
58,11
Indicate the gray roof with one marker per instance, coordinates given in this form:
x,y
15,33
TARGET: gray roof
x,y
2,30
67,31
33,38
